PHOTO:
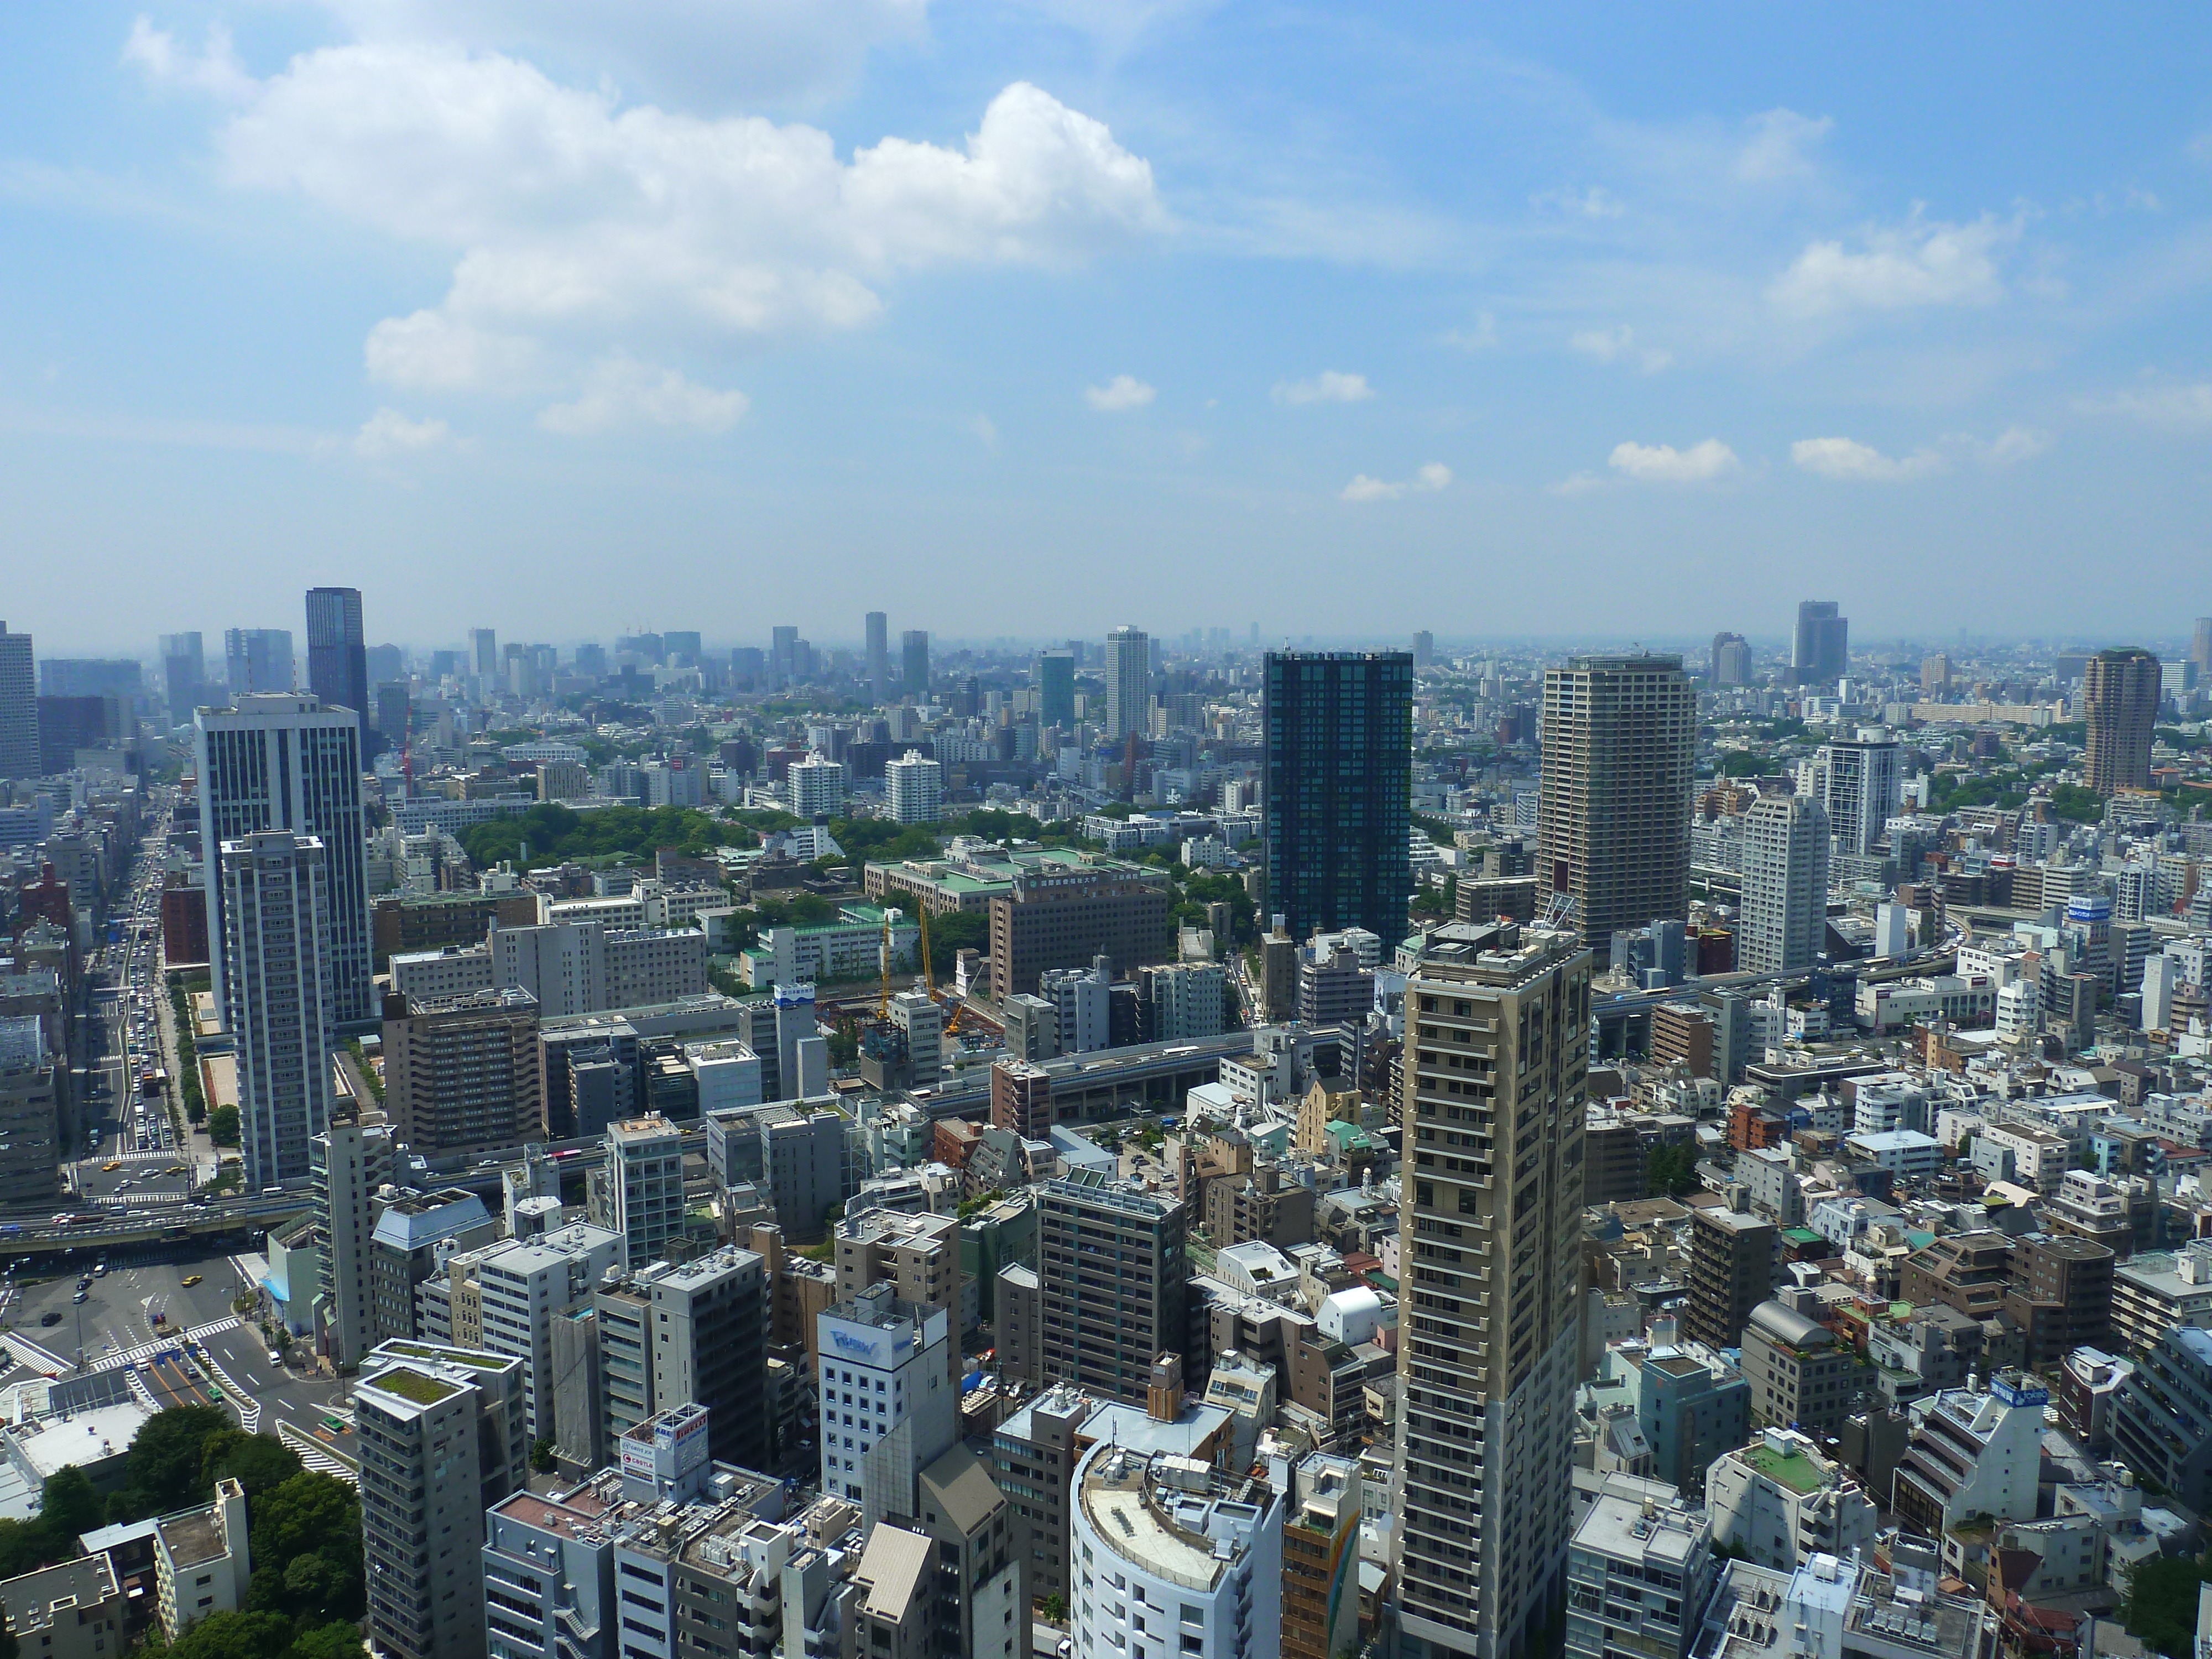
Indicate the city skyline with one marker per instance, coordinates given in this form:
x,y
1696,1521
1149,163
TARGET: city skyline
x,y
1662,328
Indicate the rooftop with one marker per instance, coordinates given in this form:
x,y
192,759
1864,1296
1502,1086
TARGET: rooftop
x,y
410,1385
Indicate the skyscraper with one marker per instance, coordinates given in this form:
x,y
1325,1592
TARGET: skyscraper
x,y
1497,1046
914,664
338,654
1056,689
1425,648
914,787
287,762
1785,885
1128,682
484,652
1731,664
782,653
1820,653
19,706
2200,647
184,672
257,660
1860,787
275,956
879,658
350,1162
2119,699
1339,752
1614,810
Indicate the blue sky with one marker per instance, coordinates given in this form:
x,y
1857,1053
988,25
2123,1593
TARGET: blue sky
x,y
1034,317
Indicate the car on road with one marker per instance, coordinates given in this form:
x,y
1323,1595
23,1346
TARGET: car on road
x,y
191,1279
81,1295
53,1315
110,1167
276,1358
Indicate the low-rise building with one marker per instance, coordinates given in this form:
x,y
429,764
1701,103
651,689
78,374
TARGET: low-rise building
x,y
2158,1291
1973,1452
1780,1501
1799,1376
1639,1570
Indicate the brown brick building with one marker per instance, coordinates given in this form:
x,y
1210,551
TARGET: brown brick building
x,y
1062,918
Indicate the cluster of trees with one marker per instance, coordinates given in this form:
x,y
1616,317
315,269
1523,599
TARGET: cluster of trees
x,y
223,1126
188,1069
307,1594
558,835
2161,1605
1671,1171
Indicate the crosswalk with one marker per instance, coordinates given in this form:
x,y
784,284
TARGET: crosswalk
x,y
315,1456
135,1201
30,1353
146,1350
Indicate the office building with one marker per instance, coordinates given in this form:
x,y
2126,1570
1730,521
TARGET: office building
x,y
879,658
1338,737
338,653
917,1255
1860,787
32,1084
1639,1572
890,1398
350,1162
1056,689
522,1288
1055,916
914,789
1819,651
2119,702
2200,647
1799,1375
415,1234
1129,683
277,997
2162,1416
1110,1259
442,1435
257,660
184,674
461,1073
1494,1101
1613,812
1731,660
1200,1550
1975,1452
19,706
914,665
1785,924
696,1332
288,762
484,652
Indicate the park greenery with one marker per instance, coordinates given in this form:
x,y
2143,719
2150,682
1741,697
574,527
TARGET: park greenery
x,y
307,1593
1671,1171
550,832
2161,1605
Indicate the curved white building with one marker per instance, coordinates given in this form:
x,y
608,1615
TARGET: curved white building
x,y
1171,1557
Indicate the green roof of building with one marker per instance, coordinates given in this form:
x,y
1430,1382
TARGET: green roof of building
x,y
1792,1469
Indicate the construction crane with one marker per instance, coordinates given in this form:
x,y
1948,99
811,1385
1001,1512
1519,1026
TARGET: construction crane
x,y
929,971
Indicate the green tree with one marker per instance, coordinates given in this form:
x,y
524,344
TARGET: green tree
x,y
256,1461
306,1535
2161,1604
162,1471
234,1636
333,1641
1671,1171
543,1457
223,1126
951,932
70,1505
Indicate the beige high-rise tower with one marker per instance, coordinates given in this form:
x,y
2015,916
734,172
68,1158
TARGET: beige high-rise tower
x,y
1497,1056
2119,699
1614,818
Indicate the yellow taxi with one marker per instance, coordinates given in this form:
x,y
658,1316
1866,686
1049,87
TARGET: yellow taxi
x,y
191,1279
111,1166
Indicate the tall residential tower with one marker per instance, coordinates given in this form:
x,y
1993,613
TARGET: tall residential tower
x,y
2119,699
1340,753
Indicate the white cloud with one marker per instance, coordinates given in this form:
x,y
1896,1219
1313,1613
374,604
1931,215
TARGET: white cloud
x,y
389,432
1776,150
1580,484
623,391
1923,262
1481,337
1595,202
575,221
2181,407
215,70
1664,464
1608,345
1122,392
1434,476
432,351
1328,387
986,430
2011,446
1845,459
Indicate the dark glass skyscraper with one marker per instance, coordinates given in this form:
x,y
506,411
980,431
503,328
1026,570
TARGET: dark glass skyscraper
x,y
338,654
1340,739
1056,689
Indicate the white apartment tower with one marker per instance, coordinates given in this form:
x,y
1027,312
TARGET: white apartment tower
x,y
890,1405
1785,885
1128,682
1496,1050
276,981
914,788
644,1174
350,1162
818,787
281,761
1860,787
